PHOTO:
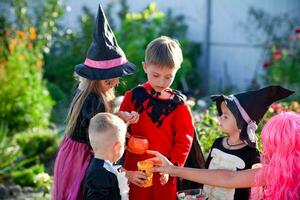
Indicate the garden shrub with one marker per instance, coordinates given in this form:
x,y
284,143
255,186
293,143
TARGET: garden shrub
x,y
280,36
25,177
207,128
25,100
42,144
283,64
25,35
9,152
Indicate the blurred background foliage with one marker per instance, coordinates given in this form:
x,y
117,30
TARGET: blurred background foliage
x,y
28,144
37,58
281,41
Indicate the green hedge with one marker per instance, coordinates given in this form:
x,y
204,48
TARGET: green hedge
x,y
42,144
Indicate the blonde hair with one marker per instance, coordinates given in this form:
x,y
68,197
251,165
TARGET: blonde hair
x,y
105,128
85,88
164,51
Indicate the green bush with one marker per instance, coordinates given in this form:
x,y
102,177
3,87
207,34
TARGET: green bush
x,y
26,177
25,155
9,152
275,109
25,34
281,39
42,144
25,100
44,182
283,66
61,98
56,93
207,128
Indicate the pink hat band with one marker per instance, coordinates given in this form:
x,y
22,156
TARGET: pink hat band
x,y
252,126
105,64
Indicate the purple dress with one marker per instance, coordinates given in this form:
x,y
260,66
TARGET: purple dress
x,y
75,154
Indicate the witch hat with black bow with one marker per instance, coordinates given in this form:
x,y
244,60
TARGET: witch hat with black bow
x,y
249,108
105,59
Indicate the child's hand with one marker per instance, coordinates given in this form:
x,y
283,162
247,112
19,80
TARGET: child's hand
x,y
128,135
130,118
136,177
161,163
163,178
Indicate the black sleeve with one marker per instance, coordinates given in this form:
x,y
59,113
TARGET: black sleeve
x,y
99,186
256,157
91,107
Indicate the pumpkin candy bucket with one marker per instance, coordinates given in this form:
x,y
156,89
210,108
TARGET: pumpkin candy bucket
x,y
137,144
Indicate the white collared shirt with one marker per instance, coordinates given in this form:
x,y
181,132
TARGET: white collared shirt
x,y
121,176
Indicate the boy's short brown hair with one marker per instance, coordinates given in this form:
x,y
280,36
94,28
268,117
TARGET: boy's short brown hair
x,y
164,51
105,128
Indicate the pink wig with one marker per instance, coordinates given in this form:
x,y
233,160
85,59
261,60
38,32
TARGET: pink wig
x,y
280,172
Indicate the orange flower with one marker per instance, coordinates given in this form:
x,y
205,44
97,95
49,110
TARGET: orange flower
x,y
39,63
22,34
14,41
32,33
32,36
11,47
30,45
3,63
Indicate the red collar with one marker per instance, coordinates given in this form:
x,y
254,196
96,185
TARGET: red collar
x,y
148,87
151,91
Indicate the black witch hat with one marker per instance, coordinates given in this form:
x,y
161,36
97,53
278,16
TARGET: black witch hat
x,y
249,108
105,59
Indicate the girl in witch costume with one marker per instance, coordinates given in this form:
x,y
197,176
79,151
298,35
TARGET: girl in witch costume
x,y
239,116
165,119
99,74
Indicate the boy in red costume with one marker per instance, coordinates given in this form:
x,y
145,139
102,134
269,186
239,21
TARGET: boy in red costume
x,y
165,119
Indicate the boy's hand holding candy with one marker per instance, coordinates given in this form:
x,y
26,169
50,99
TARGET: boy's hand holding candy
x,y
129,117
164,178
136,177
